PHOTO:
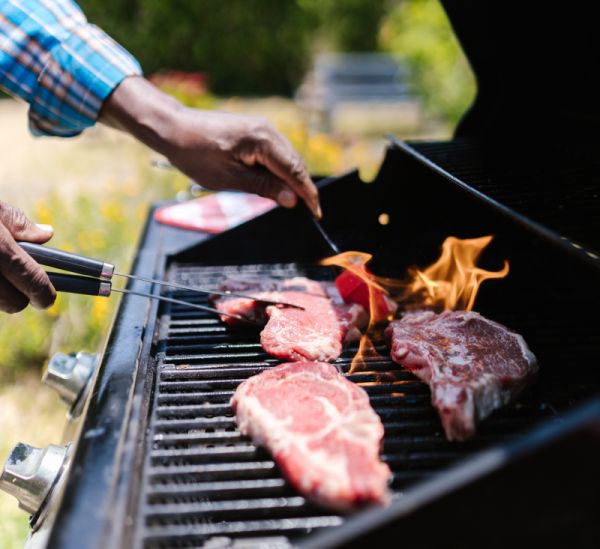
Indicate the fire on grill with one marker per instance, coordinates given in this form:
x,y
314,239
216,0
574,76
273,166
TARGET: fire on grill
x,y
160,445
452,282
473,365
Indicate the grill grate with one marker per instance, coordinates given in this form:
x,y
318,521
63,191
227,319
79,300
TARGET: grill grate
x,y
204,485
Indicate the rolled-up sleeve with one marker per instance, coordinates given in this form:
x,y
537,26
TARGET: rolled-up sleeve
x,y
63,66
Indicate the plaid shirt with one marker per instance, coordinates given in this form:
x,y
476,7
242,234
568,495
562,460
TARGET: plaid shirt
x,y
64,67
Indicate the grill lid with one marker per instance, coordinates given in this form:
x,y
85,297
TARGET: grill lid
x,y
558,187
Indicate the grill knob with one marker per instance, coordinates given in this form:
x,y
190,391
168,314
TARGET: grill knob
x,y
69,374
30,473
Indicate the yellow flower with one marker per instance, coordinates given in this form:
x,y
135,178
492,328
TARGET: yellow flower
x,y
43,214
100,308
83,241
97,239
55,310
113,211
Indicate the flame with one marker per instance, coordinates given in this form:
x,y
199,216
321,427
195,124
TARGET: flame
x,y
452,282
356,262
366,351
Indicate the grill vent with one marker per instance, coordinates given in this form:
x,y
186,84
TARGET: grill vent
x,y
204,485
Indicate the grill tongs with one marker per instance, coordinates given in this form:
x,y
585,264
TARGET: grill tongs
x,y
97,275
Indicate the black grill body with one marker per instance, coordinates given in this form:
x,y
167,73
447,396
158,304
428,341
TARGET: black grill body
x,y
169,469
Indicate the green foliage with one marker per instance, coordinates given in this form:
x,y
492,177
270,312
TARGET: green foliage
x,y
419,32
254,47
246,46
351,25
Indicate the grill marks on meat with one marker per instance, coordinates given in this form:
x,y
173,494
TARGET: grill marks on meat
x,y
472,365
321,430
315,333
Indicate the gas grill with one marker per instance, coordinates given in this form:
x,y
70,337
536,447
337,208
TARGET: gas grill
x,y
158,461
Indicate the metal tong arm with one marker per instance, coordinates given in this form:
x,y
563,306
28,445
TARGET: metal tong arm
x,y
224,293
87,266
85,285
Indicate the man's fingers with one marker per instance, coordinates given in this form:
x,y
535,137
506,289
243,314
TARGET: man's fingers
x,y
11,300
21,228
261,181
42,234
287,198
22,272
276,153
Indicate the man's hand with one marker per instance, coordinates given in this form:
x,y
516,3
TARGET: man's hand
x,y
218,150
22,280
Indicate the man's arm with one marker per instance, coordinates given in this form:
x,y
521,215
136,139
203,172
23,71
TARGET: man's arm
x,y
71,73
65,68
216,149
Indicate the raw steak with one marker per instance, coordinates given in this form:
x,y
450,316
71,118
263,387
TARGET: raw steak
x,y
321,430
263,287
315,333
473,365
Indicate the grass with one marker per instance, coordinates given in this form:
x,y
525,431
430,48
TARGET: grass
x,y
34,416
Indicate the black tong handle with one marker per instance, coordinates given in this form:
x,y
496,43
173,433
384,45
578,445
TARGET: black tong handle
x,y
67,261
74,284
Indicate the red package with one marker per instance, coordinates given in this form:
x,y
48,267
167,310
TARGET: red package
x,y
354,289
215,212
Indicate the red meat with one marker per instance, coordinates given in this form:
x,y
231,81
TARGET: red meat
x,y
315,333
472,365
321,430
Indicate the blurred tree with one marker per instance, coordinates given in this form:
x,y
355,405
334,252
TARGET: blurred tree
x,y
350,25
419,32
246,46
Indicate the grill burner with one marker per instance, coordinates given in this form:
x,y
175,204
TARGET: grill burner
x,y
206,484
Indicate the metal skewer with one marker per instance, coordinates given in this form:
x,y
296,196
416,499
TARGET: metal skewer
x,y
85,285
188,304
332,245
224,293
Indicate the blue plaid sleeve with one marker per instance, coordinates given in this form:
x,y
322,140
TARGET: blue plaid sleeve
x,y
64,67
